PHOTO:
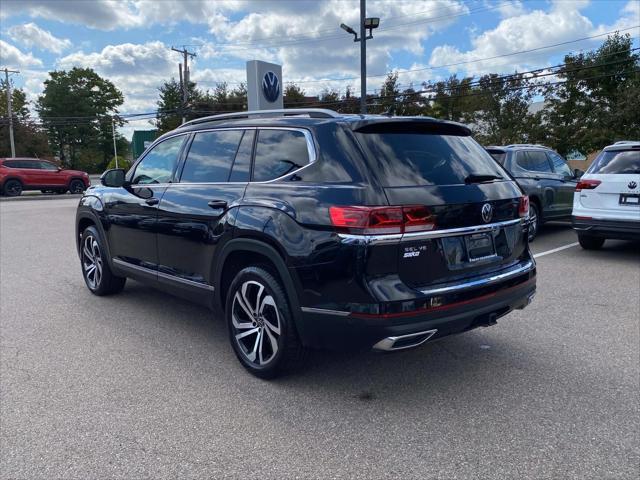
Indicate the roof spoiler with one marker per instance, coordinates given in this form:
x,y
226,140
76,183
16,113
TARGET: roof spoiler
x,y
410,125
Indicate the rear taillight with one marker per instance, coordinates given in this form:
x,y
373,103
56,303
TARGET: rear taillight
x,y
587,185
523,208
381,220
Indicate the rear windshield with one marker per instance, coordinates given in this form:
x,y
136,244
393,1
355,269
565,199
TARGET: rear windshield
x,y
410,159
498,156
617,161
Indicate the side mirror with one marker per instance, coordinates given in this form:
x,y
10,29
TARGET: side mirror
x,y
113,178
577,173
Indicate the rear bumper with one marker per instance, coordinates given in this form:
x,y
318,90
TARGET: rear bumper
x,y
352,330
614,229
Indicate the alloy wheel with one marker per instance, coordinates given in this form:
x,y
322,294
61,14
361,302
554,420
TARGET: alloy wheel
x,y
77,187
92,261
256,323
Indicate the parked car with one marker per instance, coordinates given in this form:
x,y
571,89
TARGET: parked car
x,y
309,228
544,176
18,174
606,203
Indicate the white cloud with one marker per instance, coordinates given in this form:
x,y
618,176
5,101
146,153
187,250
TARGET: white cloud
x,y
562,23
30,35
13,57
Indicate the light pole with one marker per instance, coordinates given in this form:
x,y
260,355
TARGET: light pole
x,y
365,24
115,149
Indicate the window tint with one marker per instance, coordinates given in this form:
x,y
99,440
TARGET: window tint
x,y
621,161
534,161
210,156
559,164
406,159
12,163
158,164
279,152
242,165
48,166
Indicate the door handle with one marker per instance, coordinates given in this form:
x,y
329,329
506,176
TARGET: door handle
x,y
152,201
217,204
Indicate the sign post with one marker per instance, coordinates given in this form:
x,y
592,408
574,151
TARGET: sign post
x,y
264,85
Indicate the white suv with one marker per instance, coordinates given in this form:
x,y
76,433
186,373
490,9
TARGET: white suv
x,y
606,203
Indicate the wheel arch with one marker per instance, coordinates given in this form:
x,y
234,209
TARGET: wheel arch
x,y
538,203
86,218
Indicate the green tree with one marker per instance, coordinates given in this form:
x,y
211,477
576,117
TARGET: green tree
x,y
170,105
76,109
293,96
29,139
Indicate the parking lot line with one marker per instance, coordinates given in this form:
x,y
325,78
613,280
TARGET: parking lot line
x,y
554,250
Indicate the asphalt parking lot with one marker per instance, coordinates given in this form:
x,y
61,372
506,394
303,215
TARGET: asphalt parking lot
x,y
144,385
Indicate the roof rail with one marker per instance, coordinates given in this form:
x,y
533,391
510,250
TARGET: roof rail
x,y
284,112
626,142
527,145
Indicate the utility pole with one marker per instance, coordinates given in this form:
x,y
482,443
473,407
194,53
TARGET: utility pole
x,y
184,72
363,58
9,110
115,149
365,24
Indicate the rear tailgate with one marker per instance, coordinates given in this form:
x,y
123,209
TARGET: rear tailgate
x,y
478,228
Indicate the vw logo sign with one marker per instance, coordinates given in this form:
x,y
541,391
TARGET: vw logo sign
x,y
632,185
271,86
487,212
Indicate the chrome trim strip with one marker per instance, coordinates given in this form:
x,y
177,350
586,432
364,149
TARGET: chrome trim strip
x,y
173,278
451,232
387,344
527,267
325,311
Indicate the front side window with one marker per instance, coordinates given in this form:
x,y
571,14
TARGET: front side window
x,y
279,152
534,161
158,164
617,161
210,156
48,166
560,165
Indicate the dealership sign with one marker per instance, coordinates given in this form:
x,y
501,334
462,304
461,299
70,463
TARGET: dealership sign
x,y
264,85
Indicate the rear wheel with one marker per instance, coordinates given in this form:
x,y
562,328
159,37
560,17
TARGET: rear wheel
x,y
12,188
261,328
534,221
76,186
590,243
95,267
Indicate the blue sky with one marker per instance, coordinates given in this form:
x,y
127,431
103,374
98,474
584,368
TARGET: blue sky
x,y
129,41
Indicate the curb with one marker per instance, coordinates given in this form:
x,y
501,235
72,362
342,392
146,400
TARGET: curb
x,y
38,197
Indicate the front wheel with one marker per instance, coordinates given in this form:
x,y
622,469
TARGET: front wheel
x,y
76,186
261,328
95,266
590,243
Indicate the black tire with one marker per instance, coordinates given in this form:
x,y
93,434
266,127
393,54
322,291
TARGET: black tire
x,y
100,280
590,243
269,336
12,188
76,186
534,220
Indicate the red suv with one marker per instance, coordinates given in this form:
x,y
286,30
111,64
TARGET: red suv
x,y
18,174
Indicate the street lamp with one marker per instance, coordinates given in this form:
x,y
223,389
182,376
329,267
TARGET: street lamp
x,y
365,24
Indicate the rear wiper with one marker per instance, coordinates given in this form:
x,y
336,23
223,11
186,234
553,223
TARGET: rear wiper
x,y
479,178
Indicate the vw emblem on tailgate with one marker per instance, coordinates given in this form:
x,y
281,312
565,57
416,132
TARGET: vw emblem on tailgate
x,y
270,86
487,212
632,185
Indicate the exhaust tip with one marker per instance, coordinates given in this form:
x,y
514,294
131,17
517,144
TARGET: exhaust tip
x,y
401,342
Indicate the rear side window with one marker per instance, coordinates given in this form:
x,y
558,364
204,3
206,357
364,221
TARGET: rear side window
x,y
534,161
279,152
410,159
620,161
559,164
211,156
498,156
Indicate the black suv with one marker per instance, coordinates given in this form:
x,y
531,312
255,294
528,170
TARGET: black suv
x,y
309,228
544,176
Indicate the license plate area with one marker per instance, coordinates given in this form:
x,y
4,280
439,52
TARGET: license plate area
x,y
480,247
630,199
